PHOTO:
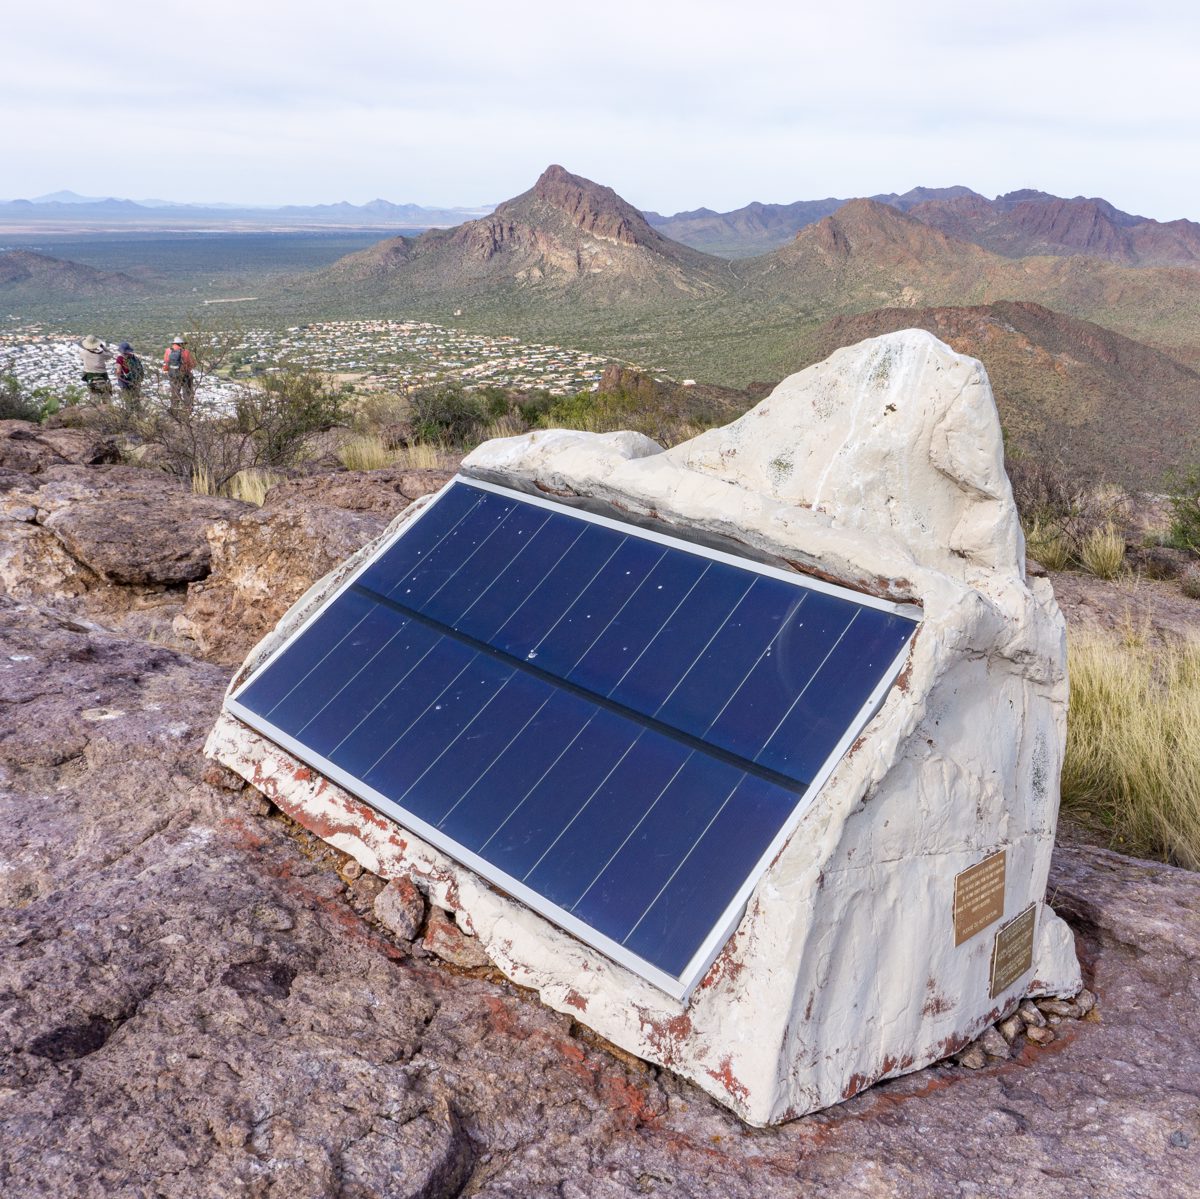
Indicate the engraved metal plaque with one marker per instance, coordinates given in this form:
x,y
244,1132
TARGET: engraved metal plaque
x,y
978,896
1012,953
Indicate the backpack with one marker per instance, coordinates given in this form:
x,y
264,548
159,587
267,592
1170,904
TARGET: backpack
x,y
135,372
175,360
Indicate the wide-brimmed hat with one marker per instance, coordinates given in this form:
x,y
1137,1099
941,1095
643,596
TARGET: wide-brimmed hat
x,y
124,347
178,341
92,342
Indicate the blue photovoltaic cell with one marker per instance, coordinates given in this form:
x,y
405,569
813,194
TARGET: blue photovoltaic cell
x,y
620,723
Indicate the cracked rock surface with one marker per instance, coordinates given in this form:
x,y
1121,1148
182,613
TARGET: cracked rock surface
x,y
194,1002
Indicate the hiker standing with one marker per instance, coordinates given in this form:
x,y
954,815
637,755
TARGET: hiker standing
x,y
178,366
130,373
95,355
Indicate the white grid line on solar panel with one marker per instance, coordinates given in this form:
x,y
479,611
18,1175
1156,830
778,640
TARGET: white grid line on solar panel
x,y
579,811
455,739
804,690
783,624
704,649
541,778
641,820
409,727
487,769
397,633
683,861
712,944
810,582
658,631
345,586
528,542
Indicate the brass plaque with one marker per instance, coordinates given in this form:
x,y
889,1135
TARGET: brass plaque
x,y
978,897
1012,954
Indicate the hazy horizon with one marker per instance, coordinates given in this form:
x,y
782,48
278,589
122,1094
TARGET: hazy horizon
x,y
675,105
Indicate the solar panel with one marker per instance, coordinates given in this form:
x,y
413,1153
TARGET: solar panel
x,y
616,726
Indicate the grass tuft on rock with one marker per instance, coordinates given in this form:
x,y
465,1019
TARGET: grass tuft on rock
x,y
1132,768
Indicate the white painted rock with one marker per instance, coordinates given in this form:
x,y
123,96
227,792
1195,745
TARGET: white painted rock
x,y
881,468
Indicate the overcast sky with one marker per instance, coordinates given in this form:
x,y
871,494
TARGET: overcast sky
x,y
675,105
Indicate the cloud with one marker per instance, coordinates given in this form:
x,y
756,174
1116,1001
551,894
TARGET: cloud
x,y
673,104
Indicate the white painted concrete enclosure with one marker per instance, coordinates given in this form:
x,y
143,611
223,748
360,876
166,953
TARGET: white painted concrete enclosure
x,y
882,469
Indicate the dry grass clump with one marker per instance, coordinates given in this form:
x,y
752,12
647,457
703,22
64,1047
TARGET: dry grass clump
x,y
421,456
202,481
251,486
365,451
1048,546
1132,765
1102,552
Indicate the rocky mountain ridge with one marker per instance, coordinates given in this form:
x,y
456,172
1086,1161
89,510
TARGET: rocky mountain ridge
x,y
1017,225
27,272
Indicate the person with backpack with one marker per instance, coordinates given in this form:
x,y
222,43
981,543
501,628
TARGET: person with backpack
x,y
179,368
130,373
95,355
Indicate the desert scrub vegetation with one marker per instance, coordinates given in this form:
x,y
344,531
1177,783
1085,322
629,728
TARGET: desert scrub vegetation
x,y
1132,767
1183,497
18,402
1069,523
265,426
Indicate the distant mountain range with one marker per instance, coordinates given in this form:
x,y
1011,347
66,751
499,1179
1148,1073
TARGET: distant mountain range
x,y
1017,225
68,209
1084,349
24,274
1088,318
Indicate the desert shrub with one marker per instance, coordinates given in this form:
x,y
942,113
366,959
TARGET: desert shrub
x,y
1183,496
365,451
1132,766
449,414
285,410
1103,552
1048,546
1190,583
1066,517
266,425
16,403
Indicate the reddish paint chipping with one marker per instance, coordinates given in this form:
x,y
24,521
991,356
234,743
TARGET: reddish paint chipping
x,y
575,1000
727,966
858,1082
303,775
724,1075
665,1036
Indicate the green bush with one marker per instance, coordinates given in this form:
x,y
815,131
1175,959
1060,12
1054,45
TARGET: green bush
x,y
450,415
16,403
1183,495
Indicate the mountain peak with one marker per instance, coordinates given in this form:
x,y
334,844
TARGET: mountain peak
x,y
591,207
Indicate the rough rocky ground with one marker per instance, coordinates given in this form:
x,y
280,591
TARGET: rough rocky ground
x,y
196,999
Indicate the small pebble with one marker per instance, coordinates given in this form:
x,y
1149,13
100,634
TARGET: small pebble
x,y
1059,1007
1011,1028
973,1057
1040,1036
1179,1139
993,1044
1052,1020
352,870
1030,1015
1085,1001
